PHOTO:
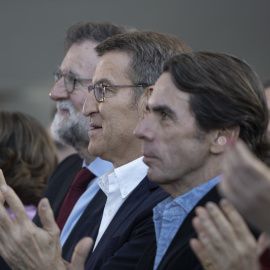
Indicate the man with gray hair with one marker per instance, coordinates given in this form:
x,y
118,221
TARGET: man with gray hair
x,y
128,64
70,126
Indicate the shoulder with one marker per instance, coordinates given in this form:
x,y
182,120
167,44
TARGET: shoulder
x,y
71,164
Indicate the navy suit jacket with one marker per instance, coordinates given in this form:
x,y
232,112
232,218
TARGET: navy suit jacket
x,y
179,255
128,233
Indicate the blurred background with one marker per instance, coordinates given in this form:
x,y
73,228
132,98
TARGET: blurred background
x,y
32,34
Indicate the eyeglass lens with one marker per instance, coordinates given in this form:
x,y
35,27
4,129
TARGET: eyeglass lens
x,y
69,80
98,91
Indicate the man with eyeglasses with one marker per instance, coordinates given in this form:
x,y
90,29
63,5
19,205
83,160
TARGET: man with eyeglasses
x,y
128,64
71,127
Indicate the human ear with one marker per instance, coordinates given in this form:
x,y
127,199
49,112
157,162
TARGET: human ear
x,y
221,137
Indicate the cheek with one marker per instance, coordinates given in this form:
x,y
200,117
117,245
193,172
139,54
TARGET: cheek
x,y
78,100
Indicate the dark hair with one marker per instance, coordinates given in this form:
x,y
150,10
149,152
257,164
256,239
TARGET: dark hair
x,y
27,155
225,92
148,51
89,31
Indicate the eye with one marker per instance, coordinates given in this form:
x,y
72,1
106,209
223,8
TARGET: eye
x,y
146,109
164,115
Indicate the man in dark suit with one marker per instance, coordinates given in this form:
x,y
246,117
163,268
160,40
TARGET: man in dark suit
x,y
201,102
128,64
69,125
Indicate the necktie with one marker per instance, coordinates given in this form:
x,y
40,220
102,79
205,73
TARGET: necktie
x,y
78,187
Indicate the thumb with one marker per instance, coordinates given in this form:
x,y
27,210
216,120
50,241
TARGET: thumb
x,y
80,253
47,218
263,243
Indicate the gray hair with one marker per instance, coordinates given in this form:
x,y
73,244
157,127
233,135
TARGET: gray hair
x,y
148,51
89,31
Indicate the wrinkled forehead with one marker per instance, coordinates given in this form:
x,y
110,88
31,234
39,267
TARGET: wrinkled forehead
x,y
81,59
112,68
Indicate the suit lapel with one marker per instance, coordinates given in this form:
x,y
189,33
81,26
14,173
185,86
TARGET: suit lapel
x,y
137,197
87,225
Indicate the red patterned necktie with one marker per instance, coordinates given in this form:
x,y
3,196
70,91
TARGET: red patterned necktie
x,y
78,187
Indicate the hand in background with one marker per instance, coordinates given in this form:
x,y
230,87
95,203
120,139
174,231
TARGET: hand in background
x,y
246,183
224,241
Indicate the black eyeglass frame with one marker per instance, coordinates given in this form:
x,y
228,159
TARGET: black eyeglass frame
x,y
97,86
69,80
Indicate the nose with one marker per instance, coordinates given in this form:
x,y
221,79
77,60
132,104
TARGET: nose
x,y
90,105
144,129
59,91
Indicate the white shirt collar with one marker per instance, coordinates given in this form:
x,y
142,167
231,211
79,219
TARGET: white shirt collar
x,y
127,176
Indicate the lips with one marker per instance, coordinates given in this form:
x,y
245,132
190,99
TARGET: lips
x,y
94,126
63,110
148,157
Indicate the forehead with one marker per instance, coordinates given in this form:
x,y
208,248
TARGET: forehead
x,y
166,93
81,59
112,67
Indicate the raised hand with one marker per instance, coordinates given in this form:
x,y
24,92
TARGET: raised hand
x,y
25,246
224,240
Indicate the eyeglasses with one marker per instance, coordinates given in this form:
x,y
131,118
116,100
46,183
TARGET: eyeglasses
x,y
100,89
69,80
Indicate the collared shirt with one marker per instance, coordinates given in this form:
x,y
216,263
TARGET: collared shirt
x,y
117,185
170,213
98,167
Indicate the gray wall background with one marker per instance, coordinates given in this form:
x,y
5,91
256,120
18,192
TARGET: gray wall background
x,y
32,33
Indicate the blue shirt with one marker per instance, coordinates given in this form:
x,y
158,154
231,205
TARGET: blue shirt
x,y
170,213
98,167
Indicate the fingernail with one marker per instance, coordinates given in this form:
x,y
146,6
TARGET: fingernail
x,y
45,204
4,188
210,206
224,202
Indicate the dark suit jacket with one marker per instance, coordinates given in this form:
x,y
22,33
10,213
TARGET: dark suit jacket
x,y
179,255
128,233
60,182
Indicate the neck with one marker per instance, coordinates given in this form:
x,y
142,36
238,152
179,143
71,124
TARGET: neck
x,y
121,157
84,154
193,179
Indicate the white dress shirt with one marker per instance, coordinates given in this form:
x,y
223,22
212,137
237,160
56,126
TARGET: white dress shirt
x,y
117,185
98,167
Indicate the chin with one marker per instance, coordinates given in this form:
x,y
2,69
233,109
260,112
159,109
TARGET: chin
x,y
93,150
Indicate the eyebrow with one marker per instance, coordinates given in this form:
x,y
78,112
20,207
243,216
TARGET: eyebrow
x,y
104,81
162,108
70,71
